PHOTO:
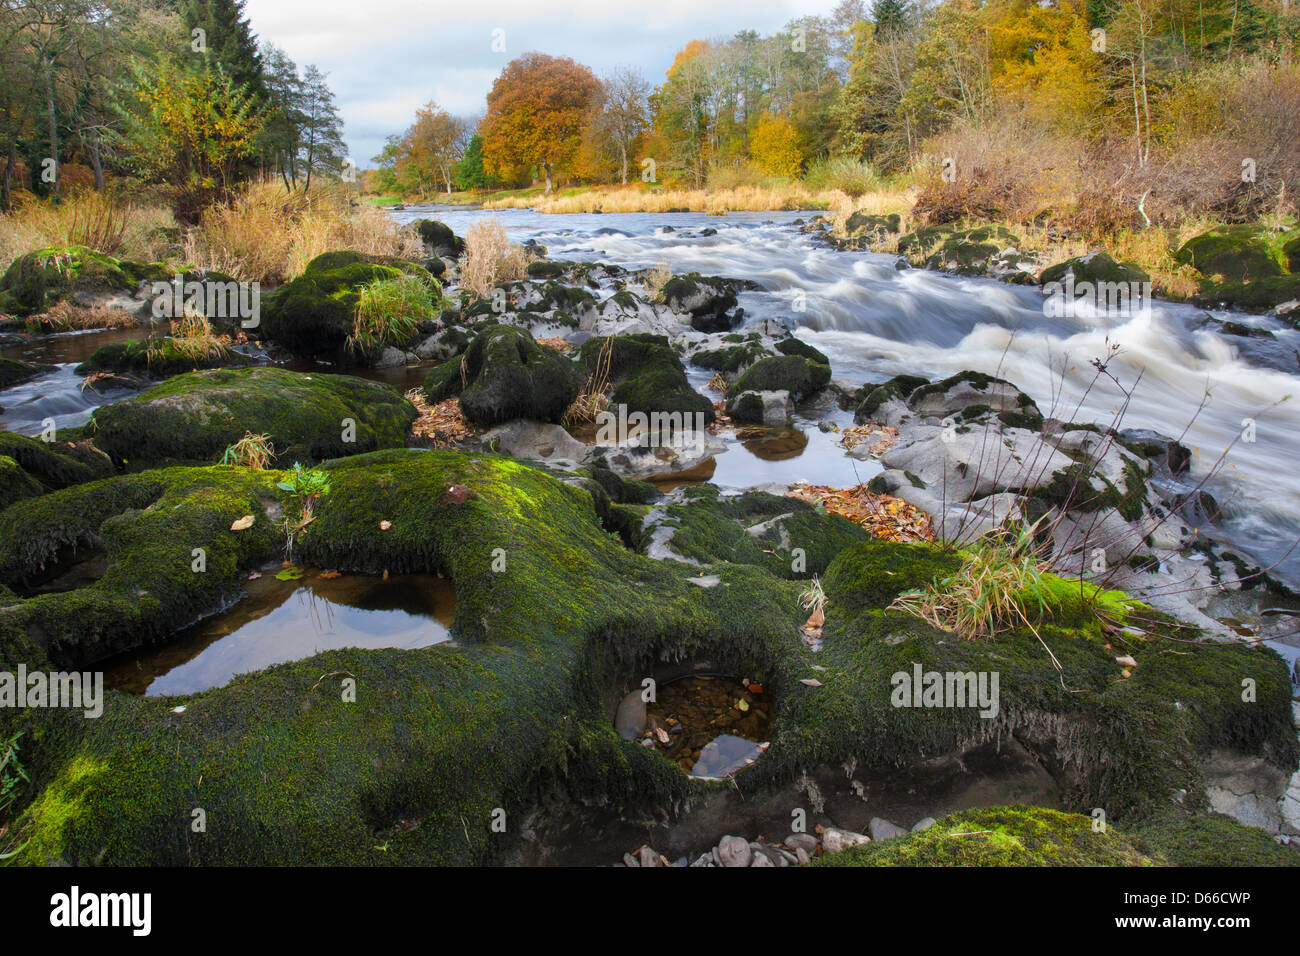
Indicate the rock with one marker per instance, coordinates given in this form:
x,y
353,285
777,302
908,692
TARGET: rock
x,y
1159,449
971,394
649,857
805,841
802,856
505,375
14,372
882,829
630,720
630,860
1237,253
439,238
975,463
195,416
834,839
708,299
542,442
923,824
35,281
733,851
772,409
798,375
1094,267
391,357
648,377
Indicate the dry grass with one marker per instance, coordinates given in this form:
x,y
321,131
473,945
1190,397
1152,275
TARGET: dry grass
x,y
251,451
66,317
269,235
86,218
593,399
782,196
192,337
490,258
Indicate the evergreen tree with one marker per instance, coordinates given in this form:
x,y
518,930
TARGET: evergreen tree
x,y
229,40
892,18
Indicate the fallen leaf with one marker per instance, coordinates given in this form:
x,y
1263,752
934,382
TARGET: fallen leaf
x,y
817,618
1126,661
254,575
457,495
662,735
242,524
331,575
385,525
811,682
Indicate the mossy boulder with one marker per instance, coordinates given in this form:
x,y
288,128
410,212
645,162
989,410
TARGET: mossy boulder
x,y
648,376
36,281
870,398
14,372
439,238
516,709
157,358
1002,836
1239,253
69,459
732,359
315,313
15,483
504,375
948,247
310,417
1094,267
709,300
797,374
1259,295
861,224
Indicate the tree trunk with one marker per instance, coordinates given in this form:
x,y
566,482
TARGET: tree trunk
x,y
54,130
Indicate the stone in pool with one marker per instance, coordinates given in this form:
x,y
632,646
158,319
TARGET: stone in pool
x,y
725,755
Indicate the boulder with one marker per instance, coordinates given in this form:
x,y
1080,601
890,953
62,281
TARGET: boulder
x,y
796,374
504,375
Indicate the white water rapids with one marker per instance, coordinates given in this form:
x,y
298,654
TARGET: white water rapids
x,y
874,321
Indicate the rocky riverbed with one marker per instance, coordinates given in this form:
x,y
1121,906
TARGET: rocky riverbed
x,y
596,564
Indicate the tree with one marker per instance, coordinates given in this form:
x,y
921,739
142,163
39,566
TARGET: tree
x,y
536,113
281,133
775,146
430,149
228,39
469,172
321,147
621,116
893,19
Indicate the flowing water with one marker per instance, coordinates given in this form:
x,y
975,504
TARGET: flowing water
x,y
874,320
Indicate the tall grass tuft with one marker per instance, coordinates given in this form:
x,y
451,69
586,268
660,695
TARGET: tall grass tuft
x,y
390,311
490,258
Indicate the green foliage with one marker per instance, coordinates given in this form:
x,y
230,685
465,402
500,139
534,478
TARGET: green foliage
x,y
389,312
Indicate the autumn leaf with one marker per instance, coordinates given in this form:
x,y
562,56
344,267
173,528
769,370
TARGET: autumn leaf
x,y
242,524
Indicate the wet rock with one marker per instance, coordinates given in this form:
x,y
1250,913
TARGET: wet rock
x,y
923,824
1093,267
882,829
798,375
439,238
772,409
761,859
630,860
536,440
630,720
733,851
649,858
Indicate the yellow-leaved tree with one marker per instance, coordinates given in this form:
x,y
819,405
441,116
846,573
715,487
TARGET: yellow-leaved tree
x,y
774,147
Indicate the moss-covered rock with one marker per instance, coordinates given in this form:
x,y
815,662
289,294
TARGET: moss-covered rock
x,y
1239,253
871,397
505,375
647,375
14,372
951,248
315,313
1002,836
732,359
709,299
310,417
796,374
68,460
158,358
36,281
1094,267
439,238
15,483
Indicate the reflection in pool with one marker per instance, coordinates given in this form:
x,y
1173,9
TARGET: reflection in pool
x,y
282,621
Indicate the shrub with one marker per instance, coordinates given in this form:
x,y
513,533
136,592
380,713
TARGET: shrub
x,y
389,312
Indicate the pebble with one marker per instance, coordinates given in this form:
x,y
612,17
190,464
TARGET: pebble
x,y
924,824
882,829
802,841
801,855
630,860
834,839
650,858
733,851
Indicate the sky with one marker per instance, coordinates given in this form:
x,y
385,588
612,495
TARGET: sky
x,y
385,58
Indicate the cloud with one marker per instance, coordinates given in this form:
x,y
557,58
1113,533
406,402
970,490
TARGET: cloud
x,y
384,58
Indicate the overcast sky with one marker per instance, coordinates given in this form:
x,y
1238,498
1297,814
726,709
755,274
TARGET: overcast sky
x,y
387,57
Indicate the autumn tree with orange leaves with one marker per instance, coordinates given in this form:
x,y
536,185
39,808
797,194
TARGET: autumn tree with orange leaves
x,y
536,112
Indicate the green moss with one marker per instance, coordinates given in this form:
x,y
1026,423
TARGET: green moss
x,y
1001,836
799,376
648,375
314,314
14,372
732,359
36,281
505,375
159,358
15,483
1238,253
193,417
1094,267
871,397
57,464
